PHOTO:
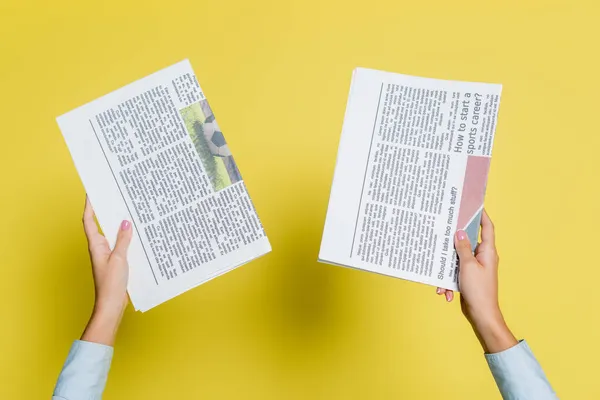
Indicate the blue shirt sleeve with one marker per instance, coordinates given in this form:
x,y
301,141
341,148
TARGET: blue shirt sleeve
x,y
518,374
84,374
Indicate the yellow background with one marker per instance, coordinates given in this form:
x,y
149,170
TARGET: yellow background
x,y
277,75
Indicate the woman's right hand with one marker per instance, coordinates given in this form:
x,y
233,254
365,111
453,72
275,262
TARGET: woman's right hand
x,y
111,272
478,283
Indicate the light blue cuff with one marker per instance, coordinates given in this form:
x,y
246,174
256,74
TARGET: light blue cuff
x,y
84,374
518,374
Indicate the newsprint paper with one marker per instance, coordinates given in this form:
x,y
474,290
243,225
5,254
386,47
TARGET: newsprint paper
x,y
153,153
411,169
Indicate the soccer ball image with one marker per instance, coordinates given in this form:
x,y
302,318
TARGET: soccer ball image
x,y
210,145
215,139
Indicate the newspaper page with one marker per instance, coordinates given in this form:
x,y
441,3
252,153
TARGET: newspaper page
x,y
412,168
153,153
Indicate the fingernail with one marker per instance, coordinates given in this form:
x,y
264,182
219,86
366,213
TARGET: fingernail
x,y
125,225
449,296
438,290
461,235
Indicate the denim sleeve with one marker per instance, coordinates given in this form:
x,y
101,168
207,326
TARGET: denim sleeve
x,y
518,374
84,374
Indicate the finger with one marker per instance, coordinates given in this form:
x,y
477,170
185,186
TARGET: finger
x,y
89,225
449,295
123,240
488,235
440,291
94,237
463,246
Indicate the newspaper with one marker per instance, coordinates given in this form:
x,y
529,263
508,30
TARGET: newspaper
x,y
153,153
411,169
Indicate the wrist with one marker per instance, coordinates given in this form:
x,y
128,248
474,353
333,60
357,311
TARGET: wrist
x,y
108,310
103,325
493,333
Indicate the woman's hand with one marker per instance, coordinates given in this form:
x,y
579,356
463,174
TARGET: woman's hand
x,y
478,283
111,271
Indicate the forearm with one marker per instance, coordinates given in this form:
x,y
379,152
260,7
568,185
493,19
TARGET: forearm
x,y
518,374
103,325
514,367
86,369
493,333
85,372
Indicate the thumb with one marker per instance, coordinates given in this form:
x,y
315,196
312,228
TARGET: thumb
x,y
463,247
123,240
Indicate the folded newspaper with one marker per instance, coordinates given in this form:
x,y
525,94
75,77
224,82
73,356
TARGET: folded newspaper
x,y
411,169
153,153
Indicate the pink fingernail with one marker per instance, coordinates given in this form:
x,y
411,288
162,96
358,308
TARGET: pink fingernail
x,y
461,235
449,296
125,225
438,290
